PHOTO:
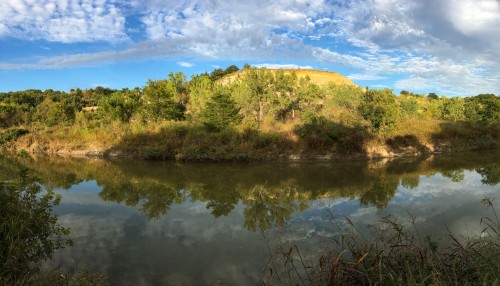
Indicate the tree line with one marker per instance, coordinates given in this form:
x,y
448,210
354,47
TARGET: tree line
x,y
255,98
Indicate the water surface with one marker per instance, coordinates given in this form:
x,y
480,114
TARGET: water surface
x,y
164,223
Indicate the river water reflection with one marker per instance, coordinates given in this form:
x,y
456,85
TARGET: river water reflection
x,y
164,223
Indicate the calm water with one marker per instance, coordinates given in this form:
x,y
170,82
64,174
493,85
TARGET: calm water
x,y
152,223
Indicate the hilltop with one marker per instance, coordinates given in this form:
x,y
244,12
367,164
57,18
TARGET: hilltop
x,y
318,77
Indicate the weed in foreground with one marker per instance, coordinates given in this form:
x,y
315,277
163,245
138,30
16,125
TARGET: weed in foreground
x,y
398,254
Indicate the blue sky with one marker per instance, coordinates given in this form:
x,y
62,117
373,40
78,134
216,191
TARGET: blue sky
x,y
448,46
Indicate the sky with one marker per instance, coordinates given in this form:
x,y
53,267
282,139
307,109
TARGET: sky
x,y
450,47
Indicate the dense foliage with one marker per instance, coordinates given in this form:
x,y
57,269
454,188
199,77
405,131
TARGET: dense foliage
x,y
29,232
327,117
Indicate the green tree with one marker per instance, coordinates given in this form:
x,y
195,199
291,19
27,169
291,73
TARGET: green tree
x,y
180,83
308,94
121,105
59,109
221,111
432,95
381,109
200,92
453,109
159,100
255,92
483,108
219,73
409,105
490,113
231,69
286,98
216,74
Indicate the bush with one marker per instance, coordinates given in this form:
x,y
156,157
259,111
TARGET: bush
x,y
29,231
381,109
453,109
120,105
12,134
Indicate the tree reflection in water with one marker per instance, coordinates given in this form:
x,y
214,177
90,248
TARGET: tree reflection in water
x,y
490,174
269,193
268,207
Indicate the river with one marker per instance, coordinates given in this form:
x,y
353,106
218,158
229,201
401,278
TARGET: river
x,y
166,223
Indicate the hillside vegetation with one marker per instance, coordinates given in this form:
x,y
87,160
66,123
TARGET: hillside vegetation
x,y
252,114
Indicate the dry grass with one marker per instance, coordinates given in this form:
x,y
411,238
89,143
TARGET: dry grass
x,y
321,78
420,128
397,254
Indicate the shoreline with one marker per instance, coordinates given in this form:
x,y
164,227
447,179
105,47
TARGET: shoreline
x,y
379,152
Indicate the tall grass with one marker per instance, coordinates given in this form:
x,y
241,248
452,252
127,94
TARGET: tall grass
x,y
398,254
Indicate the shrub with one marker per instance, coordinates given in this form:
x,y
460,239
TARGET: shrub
x,y
29,231
381,109
12,134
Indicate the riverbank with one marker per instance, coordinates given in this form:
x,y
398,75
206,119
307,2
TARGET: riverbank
x,y
182,142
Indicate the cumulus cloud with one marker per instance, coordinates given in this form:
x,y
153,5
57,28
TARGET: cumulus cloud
x,y
233,27
451,45
63,21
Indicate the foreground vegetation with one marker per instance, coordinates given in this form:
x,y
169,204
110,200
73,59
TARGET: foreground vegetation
x,y
29,235
397,254
259,114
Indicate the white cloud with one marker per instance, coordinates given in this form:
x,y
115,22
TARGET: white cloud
x,y
185,64
472,16
443,75
141,51
451,44
365,76
416,83
283,66
63,21
454,50
219,28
